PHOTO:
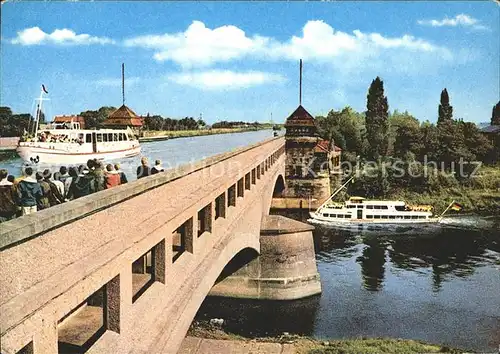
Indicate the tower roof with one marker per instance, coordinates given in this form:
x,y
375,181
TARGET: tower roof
x,y
123,116
300,117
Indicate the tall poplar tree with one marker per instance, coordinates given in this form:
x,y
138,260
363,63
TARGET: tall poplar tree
x,y
495,115
377,124
445,112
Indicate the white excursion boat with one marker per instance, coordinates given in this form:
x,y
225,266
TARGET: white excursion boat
x,y
358,210
67,143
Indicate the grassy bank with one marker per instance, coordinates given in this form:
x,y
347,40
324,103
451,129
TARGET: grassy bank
x,y
308,345
480,194
168,134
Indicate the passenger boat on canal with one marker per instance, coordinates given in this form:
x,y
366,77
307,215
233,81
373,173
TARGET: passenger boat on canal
x,y
358,210
67,143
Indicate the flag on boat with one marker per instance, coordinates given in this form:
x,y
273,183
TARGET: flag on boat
x,y
456,207
44,89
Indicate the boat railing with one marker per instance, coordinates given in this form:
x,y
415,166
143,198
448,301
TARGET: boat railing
x,y
424,207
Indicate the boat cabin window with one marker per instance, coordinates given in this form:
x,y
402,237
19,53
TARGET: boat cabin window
x,y
369,207
376,216
110,136
115,136
360,207
400,208
392,216
325,215
351,206
414,216
105,137
407,217
88,138
99,137
347,216
369,216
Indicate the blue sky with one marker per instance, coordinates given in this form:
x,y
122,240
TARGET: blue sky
x,y
239,60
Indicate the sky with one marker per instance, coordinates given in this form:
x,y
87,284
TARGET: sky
x,y
240,60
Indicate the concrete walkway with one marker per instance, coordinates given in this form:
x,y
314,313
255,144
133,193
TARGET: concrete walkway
x,y
193,345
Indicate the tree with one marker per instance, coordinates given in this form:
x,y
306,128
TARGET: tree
x,y
398,137
342,128
476,142
94,119
377,119
445,111
451,143
12,125
408,139
495,114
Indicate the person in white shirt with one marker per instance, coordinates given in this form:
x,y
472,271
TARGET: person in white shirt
x,y
157,167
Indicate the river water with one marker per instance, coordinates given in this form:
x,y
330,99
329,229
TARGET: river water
x,y
439,284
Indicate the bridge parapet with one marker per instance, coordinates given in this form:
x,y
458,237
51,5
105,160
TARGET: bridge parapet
x,y
150,249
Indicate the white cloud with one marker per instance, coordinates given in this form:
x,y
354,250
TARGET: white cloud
x,y
459,20
113,82
201,46
225,79
35,36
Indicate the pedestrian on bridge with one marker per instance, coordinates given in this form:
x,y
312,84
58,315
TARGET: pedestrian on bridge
x,y
143,170
8,207
28,192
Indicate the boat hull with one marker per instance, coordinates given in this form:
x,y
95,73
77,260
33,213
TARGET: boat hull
x,y
317,218
54,156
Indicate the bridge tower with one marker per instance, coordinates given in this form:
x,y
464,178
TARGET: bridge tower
x,y
311,162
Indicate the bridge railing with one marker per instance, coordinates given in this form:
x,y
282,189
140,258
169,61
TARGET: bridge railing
x,y
101,253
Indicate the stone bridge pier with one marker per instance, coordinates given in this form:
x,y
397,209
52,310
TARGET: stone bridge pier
x,y
126,269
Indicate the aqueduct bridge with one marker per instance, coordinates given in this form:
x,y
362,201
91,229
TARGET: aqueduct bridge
x,y
126,269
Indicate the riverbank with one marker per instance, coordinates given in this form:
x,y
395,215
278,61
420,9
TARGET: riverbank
x,y
480,194
168,134
215,337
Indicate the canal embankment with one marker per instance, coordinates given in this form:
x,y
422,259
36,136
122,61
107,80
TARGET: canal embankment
x,y
154,135
8,147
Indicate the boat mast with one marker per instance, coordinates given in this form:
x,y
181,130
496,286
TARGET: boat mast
x,y
333,195
38,110
444,212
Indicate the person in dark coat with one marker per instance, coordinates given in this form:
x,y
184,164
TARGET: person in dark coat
x,y
99,182
82,184
55,196
8,207
143,170
123,176
42,201
28,192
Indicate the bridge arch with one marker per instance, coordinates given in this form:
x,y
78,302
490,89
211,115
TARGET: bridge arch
x,y
166,215
279,187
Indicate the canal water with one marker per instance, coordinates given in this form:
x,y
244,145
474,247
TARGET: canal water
x,y
437,284
172,153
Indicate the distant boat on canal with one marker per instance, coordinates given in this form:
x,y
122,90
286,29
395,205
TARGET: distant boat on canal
x,y
68,143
